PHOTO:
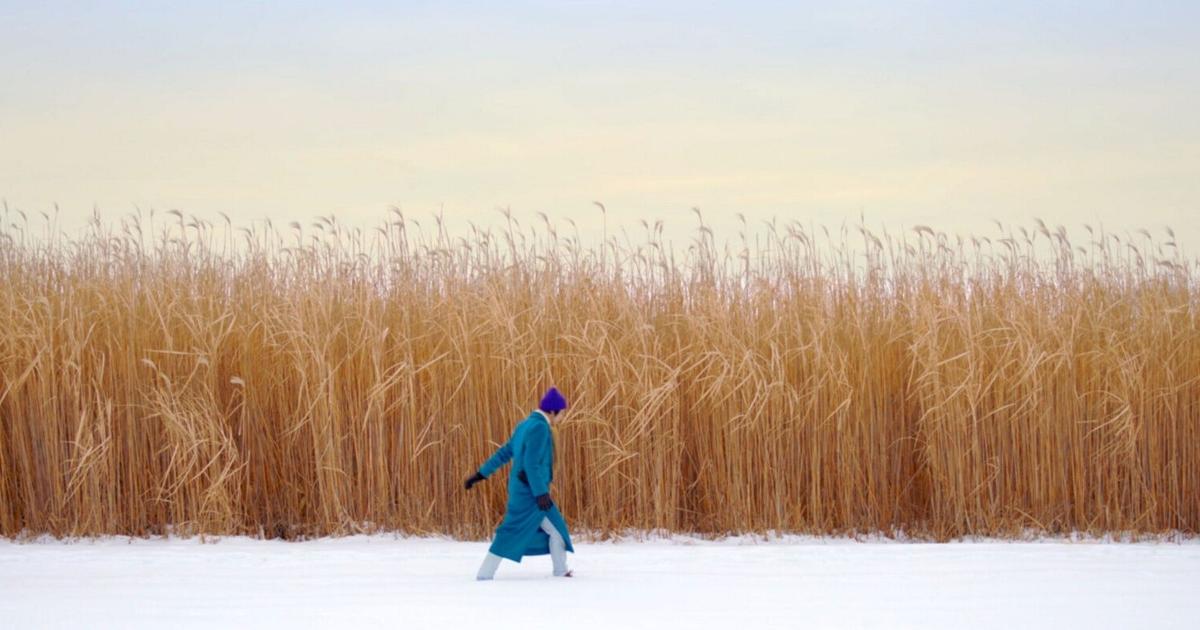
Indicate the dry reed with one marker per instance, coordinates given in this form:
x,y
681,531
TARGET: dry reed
x,y
319,380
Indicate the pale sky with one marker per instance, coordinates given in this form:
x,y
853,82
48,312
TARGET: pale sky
x,y
941,113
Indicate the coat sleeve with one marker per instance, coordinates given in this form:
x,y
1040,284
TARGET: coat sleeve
x,y
537,443
498,459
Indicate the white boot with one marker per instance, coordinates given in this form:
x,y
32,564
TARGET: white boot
x,y
487,570
558,549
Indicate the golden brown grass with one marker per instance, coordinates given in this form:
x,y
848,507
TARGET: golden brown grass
x,y
322,380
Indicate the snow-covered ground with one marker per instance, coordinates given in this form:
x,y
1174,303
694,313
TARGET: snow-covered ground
x,y
383,581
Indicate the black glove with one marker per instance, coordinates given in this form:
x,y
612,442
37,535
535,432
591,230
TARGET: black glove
x,y
476,478
544,502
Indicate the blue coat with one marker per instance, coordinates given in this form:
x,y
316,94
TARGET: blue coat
x,y
531,449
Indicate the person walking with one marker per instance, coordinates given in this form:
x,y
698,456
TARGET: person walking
x,y
532,524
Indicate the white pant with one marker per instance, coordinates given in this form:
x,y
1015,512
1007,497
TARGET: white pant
x,y
558,555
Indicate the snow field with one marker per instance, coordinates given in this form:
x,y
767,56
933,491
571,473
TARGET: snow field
x,y
388,582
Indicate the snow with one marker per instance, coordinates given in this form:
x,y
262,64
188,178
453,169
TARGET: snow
x,y
385,581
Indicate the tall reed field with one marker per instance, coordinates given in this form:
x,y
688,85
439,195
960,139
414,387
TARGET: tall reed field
x,y
166,374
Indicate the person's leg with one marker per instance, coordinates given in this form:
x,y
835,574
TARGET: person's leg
x,y
558,548
487,570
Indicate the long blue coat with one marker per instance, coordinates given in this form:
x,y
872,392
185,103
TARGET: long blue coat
x,y
531,449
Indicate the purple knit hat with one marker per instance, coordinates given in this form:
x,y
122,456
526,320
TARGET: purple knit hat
x,y
553,401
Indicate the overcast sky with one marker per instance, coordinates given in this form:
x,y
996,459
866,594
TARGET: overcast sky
x,y
941,113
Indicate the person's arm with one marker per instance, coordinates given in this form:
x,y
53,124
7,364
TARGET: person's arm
x,y
537,443
498,459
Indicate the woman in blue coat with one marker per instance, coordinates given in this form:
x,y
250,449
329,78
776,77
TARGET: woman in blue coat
x,y
532,525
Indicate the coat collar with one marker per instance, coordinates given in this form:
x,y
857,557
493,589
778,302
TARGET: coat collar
x,y
543,415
